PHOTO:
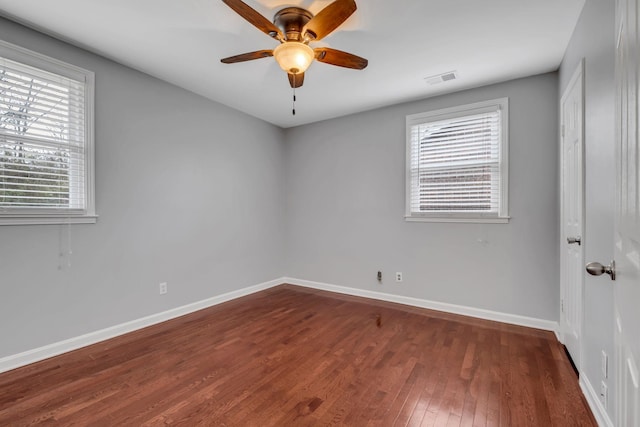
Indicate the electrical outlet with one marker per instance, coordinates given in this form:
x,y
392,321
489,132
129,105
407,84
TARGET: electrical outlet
x,y
379,276
399,277
163,288
605,364
604,394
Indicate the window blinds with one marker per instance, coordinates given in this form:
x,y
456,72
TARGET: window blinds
x,y
455,165
42,139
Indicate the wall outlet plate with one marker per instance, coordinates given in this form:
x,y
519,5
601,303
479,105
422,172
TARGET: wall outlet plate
x,y
399,277
163,288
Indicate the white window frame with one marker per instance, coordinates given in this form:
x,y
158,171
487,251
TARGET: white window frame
x,y
502,215
19,216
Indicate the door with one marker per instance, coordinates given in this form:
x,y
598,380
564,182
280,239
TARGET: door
x,y
572,207
627,227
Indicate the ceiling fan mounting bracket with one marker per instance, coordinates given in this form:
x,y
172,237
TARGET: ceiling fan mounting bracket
x,y
291,20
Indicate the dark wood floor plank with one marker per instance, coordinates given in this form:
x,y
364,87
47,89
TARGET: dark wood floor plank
x,y
291,356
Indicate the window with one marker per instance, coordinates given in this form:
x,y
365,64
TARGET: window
x,y
46,139
457,164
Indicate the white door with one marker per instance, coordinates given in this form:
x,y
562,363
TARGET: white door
x,y
627,227
572,206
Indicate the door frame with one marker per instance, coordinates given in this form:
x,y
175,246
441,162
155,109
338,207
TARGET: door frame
x,y
578,74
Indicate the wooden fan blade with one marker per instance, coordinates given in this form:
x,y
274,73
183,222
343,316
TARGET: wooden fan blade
x,y
247,56
340,58
328,19
256,19
296,80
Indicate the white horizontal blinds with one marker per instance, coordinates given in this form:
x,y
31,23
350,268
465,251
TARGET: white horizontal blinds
x,y
42,139
455,165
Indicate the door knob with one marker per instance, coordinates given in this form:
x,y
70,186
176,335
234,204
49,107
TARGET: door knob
x,y
572,240
597,269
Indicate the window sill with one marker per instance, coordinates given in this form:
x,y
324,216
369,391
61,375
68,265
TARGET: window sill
x,y
474,220
47,220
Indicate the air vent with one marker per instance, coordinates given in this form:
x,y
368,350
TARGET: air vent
x,y
441,78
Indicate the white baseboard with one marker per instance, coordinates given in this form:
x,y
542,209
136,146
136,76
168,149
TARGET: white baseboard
x,y
31,356
593,399
514,319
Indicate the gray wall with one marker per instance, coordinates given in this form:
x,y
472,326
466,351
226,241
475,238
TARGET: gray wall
x,y
188,191
345,207
211,200
594,39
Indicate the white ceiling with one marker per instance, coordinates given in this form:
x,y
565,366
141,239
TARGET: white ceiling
x,y
182,42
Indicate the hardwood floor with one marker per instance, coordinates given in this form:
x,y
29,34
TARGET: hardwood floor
x,y
291,356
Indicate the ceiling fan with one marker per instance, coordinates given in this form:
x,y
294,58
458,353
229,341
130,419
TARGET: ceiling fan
x,y
295,28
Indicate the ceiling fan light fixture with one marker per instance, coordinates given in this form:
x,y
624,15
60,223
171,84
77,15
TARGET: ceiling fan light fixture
x,y
293,57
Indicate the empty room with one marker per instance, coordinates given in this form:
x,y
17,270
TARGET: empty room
x,y
319,212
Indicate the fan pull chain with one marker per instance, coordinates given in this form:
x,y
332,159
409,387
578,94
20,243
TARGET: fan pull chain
x,y
293,105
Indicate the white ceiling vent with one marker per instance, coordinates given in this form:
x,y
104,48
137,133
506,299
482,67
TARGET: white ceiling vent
x,y
441,78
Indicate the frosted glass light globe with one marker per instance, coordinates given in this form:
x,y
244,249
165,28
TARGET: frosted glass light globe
x,y
293,57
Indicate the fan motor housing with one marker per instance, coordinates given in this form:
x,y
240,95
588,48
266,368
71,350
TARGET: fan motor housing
x,y
291,20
